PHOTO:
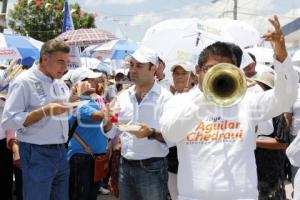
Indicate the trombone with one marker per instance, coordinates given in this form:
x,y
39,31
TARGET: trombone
x,y
225,85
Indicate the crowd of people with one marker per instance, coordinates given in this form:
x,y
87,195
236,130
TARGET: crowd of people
x,y
162,138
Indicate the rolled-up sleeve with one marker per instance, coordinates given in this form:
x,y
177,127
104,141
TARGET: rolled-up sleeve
x,y
14,113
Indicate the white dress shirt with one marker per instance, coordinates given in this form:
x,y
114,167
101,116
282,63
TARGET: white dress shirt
x,y
148,111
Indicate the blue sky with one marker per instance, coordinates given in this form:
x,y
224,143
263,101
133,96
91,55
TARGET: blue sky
x,y
131,18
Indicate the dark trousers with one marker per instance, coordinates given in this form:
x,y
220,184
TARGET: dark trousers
x,y
18,183
6,171
45,172
144,179
82,185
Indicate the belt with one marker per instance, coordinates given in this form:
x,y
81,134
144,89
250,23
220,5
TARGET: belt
x,y
145,161
53,145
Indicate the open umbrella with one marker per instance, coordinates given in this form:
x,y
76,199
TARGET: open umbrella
x,y
86,37
119,48
178,40
239,32
115,49
19,47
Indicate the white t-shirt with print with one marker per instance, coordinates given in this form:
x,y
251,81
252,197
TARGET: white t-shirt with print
x,y
216,145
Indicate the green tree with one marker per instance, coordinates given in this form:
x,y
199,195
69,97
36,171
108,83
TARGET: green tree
x,y
44,21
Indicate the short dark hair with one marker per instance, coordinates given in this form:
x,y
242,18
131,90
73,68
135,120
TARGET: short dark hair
x,y
253,57
52,46
161,61
217,49
238,52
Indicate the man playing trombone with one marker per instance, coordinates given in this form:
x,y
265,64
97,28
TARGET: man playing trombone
x,y
216,143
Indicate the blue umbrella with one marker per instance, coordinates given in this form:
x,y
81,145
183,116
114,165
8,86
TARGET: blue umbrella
x,y
121,54
16,46
119,49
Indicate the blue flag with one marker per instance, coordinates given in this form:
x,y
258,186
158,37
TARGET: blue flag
x,y
74,59
68,21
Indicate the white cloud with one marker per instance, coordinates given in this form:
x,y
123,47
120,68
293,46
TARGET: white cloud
x,y
145,19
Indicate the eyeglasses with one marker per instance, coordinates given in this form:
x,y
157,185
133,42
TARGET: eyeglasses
x,y
205,68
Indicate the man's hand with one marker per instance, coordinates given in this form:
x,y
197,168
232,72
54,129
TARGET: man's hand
x,y
108,115
52,109
16,155
143,132
276,38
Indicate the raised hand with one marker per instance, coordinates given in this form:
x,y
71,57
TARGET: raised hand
x,y
82,87
276,38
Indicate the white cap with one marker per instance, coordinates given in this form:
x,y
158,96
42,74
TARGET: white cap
x,y
67,76
266,78
246,60
145,55
82,73
187,66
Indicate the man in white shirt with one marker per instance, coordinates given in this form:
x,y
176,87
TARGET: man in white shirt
x,y
215,144
143,166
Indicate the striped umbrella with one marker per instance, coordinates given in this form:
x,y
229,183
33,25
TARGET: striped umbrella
x,y
19,47
86,37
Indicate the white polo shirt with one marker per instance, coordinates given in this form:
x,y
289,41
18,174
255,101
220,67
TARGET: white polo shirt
x,y
216,145
148,111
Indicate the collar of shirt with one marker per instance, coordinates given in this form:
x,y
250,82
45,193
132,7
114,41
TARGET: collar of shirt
x,y
41,75
155,89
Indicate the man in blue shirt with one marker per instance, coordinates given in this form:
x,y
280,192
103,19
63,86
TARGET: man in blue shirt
x,y
35,109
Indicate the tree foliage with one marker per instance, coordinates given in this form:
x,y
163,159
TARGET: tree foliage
x,y
43,20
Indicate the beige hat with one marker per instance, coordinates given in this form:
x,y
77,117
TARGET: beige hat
x,y
266,78
82,73
187,66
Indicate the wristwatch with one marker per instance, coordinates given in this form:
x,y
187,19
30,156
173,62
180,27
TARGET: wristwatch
x,y
152,134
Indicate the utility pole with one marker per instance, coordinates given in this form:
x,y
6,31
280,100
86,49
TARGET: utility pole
x,y
234,8
4,6
3,14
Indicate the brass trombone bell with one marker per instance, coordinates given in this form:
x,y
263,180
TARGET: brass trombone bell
x,y
224,84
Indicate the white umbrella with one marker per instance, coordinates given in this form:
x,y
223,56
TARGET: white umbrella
x,y
237,31
178,40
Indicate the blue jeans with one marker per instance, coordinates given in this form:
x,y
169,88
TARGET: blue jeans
x,y
82,185
141,180
45,172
